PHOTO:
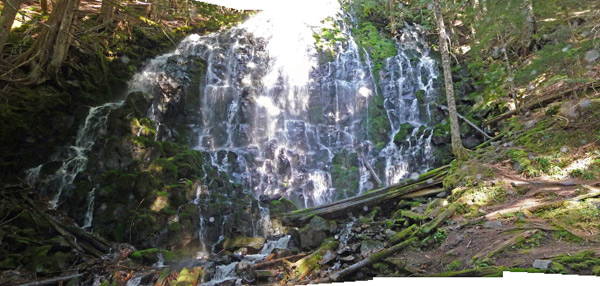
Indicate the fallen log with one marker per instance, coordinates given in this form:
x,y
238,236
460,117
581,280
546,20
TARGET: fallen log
x,y
80,240
383,254
373,173
445,108
52,280
372,198
540,102
502,245
489,271
538,206
277,261
306,265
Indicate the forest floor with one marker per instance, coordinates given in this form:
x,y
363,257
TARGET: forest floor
x,y
519,205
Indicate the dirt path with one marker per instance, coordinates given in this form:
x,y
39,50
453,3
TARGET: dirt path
x,y
525,236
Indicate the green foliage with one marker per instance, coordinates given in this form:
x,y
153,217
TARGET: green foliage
x,y
377,45
327,38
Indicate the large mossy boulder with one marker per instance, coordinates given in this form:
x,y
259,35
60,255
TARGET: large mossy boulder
x,y
253,244
315,232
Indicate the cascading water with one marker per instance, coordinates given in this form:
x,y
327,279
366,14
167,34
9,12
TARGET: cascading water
x,y
275,119
75,157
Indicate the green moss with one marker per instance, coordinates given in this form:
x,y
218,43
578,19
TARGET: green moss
x,y
581,261
454,265
403,133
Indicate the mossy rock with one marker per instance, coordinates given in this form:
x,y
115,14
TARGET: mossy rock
x,y
252,243
402,136
150,256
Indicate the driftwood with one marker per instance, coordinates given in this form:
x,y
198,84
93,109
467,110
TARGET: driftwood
x,y
376,197
52,280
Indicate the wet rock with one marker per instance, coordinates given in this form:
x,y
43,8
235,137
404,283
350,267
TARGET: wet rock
x,y
493,224
355,247
344,250
315,232
370,246
471,142
348,258
253,244
327,257
541,264
246,271
139,102
389,233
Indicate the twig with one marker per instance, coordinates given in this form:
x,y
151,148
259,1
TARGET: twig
x,y
133,218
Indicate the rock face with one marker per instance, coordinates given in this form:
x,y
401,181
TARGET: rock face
x,y
138,180
315,232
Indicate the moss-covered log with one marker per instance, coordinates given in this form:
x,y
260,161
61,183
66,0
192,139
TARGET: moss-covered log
x,y
372,198
306,265
383,254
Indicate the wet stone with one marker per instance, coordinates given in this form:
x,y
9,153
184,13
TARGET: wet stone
x,y
493,224
389,233
345,250
542,264
327,257
348,258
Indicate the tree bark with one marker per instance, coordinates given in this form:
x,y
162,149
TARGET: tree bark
x,y
460,153
9,12
44,6
49,51
107,11
531,28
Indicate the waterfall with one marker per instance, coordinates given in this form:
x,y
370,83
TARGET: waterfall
x,y
277,119
75,157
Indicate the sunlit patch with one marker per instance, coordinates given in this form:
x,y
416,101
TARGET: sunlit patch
x,y
364,91
247,81
268,104
160,203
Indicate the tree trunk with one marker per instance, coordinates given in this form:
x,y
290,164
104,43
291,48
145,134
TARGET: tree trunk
x,y
49,51
107,11
9,13
457,148
531,28
44,6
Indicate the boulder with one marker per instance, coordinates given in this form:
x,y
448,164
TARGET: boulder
x,y
315,232
370,246
493,224
542,264
327,257
139,102
246,271
253,244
